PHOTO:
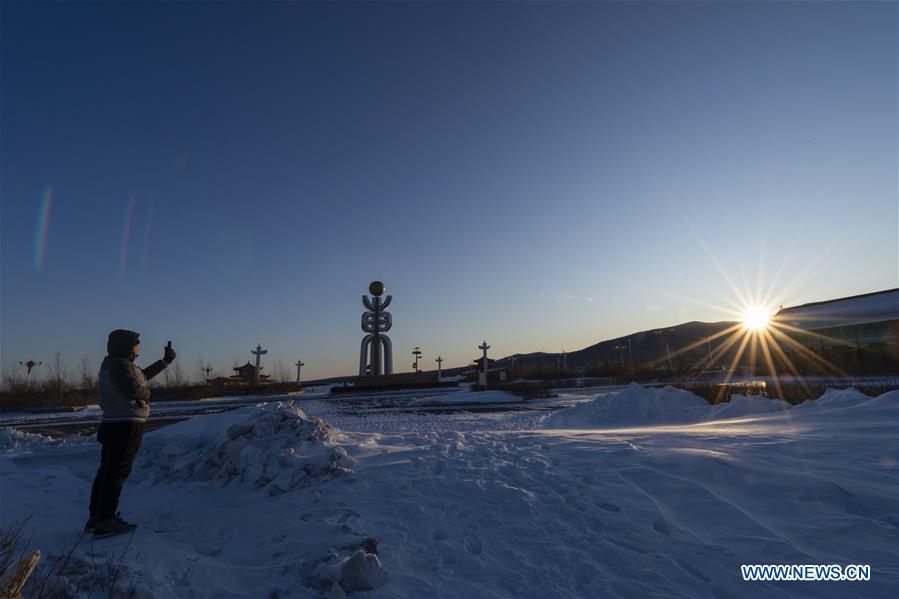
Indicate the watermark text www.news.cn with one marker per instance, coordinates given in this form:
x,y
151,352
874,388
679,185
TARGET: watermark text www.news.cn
x,y
806,572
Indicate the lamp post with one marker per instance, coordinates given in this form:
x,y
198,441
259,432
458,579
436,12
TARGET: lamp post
x,y
299,364
417,353
620,349
439,361
258,352
630,354
664,335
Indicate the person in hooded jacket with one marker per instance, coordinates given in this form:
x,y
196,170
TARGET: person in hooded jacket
x,y
124,397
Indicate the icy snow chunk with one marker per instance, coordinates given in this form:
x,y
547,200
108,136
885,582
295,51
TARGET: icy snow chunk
x,y
11,439
273,446
362,572
349,569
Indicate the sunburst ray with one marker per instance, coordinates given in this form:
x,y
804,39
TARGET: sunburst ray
x,y
803,350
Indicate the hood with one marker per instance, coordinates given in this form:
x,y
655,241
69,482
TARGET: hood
x,y
120,343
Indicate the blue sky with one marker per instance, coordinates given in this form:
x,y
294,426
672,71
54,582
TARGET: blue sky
x,y
545,175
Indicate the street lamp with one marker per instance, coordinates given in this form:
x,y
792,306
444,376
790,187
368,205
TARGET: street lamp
x,y
417,353
663,333
30,365
620,349
299,364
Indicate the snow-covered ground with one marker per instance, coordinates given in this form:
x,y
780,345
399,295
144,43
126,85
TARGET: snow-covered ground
x,y
643,493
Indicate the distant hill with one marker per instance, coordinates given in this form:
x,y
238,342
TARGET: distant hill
x,y
645,348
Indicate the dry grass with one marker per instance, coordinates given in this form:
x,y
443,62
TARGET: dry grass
x,y
66,574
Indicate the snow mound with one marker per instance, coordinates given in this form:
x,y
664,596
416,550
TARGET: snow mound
x,y
273,446
838,398
637,405
634,405
743,405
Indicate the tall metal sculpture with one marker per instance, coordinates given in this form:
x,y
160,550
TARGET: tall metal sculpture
x,y
376,352
417,353
439,361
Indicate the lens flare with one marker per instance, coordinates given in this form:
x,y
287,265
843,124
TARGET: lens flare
x,y
146,243
43,223
756,318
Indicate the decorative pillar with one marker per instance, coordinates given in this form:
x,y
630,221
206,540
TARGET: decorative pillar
x,y
376,321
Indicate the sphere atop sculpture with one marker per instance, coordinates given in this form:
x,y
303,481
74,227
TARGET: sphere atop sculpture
x,y
376,288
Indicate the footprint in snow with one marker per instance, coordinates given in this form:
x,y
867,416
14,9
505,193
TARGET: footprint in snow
x,y
610,507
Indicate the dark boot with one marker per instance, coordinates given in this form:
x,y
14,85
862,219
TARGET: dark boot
x,y
113,526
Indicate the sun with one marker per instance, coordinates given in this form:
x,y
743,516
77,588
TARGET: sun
x,y
756,318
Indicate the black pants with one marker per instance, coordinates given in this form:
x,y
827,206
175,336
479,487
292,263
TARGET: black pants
x,y
120,440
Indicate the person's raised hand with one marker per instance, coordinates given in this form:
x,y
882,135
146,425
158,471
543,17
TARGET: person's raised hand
x,y
169,356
